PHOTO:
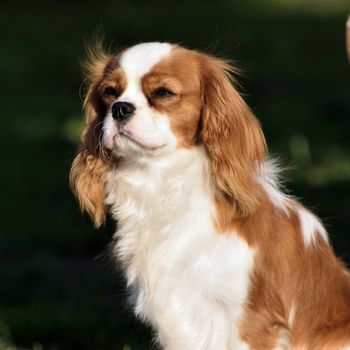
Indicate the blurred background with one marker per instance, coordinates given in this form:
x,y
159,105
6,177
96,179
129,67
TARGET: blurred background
x,y
58,288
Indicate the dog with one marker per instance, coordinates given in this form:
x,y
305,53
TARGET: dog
x,y
215,255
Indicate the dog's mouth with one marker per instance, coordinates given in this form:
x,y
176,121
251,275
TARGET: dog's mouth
x,y
127,134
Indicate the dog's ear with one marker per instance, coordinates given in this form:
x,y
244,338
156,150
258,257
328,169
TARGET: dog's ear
x,y
232,135
87,178
89,168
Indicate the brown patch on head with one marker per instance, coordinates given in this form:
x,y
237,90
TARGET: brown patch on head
x,y
206,108
114,80
179,73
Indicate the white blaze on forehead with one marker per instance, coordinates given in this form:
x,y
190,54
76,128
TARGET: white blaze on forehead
x,y
139,59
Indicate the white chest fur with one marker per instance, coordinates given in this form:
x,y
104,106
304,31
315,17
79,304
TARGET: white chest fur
x,y
189,281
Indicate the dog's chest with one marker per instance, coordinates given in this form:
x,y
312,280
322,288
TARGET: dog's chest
x,y
174,259
164,220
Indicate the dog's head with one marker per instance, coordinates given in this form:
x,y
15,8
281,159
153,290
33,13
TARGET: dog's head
x,y
155,98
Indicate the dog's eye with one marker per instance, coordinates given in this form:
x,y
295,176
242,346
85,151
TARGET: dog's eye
x,y
110,91
162,92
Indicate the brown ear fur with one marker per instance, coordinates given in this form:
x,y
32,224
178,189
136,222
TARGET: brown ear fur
x,y
87,175
232,135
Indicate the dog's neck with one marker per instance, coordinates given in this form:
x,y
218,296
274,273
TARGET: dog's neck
x,y
160,199
166,180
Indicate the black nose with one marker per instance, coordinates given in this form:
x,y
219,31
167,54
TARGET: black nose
x,y
121,111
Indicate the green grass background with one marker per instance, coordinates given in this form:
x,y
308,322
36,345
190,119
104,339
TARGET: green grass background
x,y
58,288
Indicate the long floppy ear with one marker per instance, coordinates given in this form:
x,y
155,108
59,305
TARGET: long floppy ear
x,y
87,175
232,136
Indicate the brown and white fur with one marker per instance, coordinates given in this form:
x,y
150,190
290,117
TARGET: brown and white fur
x,y
216,256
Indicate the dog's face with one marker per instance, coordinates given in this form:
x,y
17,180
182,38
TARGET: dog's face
x,y
155,98
151,95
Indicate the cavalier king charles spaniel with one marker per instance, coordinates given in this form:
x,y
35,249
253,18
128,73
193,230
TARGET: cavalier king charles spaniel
x,y
215,255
